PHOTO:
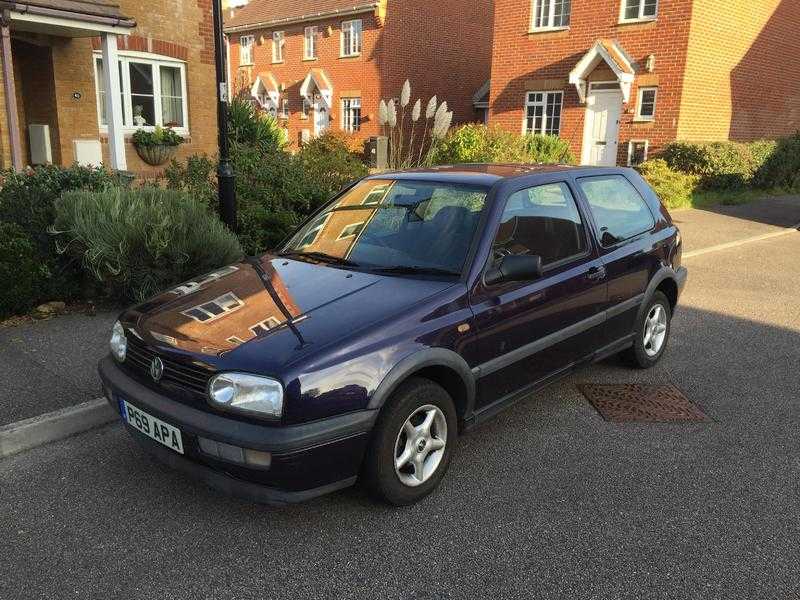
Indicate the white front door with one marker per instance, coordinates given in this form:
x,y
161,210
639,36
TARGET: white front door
x,y
322,117
601,131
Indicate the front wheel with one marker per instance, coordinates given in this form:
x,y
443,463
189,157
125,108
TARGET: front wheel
x,y
412,444
652,332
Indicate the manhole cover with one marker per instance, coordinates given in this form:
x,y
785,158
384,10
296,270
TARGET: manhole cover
x,y
633,402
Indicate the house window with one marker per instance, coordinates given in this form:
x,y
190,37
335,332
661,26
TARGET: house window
x,y
639,10
214,309
646,106
637,152
351,38
285,108
550,14
264,326
543,112
306,108
153,92
350,231
310,43
351,114
246,49
278,42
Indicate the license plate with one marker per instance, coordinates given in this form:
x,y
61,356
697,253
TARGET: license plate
x,y
154,428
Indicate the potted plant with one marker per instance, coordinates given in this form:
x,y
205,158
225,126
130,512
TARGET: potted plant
x,y
158,146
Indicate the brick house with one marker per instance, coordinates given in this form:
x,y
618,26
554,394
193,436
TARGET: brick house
x,y
620,78
328,63
54,103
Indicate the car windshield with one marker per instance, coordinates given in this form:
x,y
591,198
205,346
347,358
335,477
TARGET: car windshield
x,y
395,226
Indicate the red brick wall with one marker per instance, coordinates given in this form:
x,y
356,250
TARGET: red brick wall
x,y
524,61
443,48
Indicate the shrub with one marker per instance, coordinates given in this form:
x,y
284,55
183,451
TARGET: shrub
x,y
674,188
474,142
248,124
197,177
329,164
782,166
720,165
21,271
137,242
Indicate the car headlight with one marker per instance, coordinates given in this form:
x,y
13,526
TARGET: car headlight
x,y
245,393
118,343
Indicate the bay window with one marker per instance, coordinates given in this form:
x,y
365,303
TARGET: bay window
x,y
153,92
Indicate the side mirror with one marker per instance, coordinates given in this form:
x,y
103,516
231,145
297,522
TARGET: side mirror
x,y
525,267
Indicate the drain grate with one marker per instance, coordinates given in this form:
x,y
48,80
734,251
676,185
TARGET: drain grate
x,y
633,402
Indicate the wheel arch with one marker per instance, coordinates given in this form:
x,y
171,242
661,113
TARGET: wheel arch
x,y
665,280
441,366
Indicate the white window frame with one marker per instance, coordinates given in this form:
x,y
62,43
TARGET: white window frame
x,y
355,28
246,44
278,46
310,43
284,113
630,150
155,60
347,121
543,104
639,96
350,231
640,17
305,110
536,8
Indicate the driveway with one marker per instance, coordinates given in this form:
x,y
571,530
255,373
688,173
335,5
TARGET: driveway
x,y
548,500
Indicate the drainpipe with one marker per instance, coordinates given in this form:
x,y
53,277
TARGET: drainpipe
x,y
225,176
10,90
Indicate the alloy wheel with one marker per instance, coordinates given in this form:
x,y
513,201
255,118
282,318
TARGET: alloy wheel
x,y
655,330
420,445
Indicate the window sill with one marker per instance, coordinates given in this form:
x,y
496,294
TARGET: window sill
x,y
128,134
643,120
642,21
540,30
247,64
310,59
277,62
345,56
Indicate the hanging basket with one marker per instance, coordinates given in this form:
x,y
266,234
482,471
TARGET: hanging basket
x,y
156,156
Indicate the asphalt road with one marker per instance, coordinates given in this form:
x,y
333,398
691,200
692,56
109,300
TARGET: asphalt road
x,y
548,500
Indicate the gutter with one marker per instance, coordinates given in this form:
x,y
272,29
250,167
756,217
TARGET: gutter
x,y
317,16
66,14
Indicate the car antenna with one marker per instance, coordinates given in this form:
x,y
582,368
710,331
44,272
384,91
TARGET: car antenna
x,y
265,281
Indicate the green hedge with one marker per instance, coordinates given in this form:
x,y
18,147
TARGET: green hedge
x,y
674,188
476,143
720,165
781,168
138,242
21,272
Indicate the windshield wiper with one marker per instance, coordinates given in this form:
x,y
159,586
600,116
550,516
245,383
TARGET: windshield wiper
x,y
415,270
321,257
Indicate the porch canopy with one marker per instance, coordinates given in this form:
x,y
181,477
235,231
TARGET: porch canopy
x,y
614,55
266,90
66,19
317,81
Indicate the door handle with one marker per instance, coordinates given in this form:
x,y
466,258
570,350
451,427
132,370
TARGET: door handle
x,y
596,273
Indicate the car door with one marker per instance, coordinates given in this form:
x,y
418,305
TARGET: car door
x,y
623,223
528,331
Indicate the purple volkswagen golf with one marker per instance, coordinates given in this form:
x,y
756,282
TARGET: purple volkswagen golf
x,y
407,310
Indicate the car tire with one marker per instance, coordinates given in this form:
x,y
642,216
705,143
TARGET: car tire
x,y
651,335
400,435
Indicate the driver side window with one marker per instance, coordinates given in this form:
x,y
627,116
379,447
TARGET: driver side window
x,y
544,221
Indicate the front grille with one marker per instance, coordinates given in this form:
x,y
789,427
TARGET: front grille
x,y
186,377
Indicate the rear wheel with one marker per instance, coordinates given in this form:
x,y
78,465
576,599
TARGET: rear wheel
x,y
412,444
652,333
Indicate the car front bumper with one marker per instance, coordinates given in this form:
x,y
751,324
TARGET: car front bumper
x,y
308,460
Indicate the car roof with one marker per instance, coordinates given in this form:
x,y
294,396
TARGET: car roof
x,y
482,173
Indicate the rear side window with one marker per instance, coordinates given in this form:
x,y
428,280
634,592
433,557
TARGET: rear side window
x,y
543,221
619,210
